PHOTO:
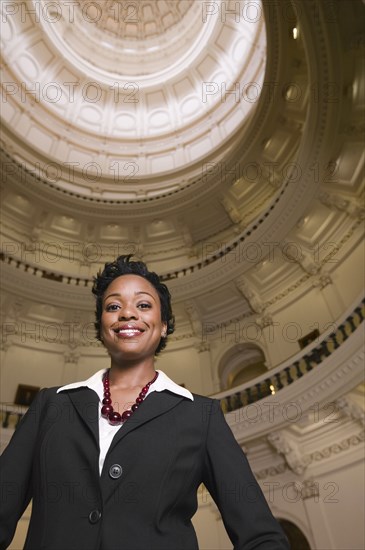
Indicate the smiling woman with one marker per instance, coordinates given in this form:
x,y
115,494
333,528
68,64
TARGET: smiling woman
x,y
137,448
131,315
157,291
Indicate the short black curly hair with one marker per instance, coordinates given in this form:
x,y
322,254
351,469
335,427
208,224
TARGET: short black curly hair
x,y
124,266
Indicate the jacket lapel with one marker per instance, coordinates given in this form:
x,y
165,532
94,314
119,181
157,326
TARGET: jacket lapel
x,y
156,403
86,403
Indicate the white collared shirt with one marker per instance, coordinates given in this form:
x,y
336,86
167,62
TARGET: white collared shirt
x,y
106,430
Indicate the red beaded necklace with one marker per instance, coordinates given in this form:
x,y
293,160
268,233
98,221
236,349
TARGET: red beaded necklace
x,y
107,410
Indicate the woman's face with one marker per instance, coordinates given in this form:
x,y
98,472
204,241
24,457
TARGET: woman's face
x,y
131,325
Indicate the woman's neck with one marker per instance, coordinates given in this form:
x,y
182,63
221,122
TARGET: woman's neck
x,y
131,375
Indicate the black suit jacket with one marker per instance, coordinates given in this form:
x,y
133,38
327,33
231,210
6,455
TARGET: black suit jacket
x,y
146,494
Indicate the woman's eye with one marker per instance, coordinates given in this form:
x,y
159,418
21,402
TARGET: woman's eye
x,y
112,307
144,306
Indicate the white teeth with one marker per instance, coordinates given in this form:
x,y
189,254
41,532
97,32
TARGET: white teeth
x,y
128,332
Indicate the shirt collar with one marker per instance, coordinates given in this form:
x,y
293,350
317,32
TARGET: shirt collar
x,y
95,382
162,383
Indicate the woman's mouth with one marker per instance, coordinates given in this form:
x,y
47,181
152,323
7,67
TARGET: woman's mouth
x,y
128,331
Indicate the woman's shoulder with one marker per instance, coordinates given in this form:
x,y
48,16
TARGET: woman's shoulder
x,y
50,395
204,405
205,399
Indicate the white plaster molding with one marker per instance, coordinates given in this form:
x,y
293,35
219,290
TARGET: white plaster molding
x,y
249,294
352,410
296,460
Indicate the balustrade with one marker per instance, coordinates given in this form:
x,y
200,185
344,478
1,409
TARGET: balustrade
x,y
289,374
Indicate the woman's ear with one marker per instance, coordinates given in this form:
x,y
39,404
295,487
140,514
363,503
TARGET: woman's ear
x,y
164,330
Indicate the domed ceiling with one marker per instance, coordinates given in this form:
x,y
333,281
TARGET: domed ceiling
x,y
129,98
220,142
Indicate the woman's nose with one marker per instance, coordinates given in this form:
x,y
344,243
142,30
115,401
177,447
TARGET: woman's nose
x,y
128,312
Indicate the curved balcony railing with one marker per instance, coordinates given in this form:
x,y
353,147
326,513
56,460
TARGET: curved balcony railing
x,y
285,376
85,281
88,282
37,271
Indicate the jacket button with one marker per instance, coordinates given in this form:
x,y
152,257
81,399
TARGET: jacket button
x,y
94,516
115,471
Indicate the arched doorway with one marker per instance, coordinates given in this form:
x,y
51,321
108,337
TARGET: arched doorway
x,y
241,364
296,537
